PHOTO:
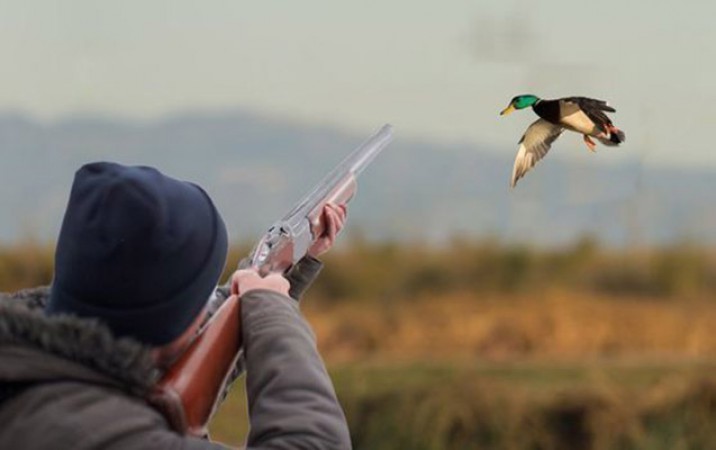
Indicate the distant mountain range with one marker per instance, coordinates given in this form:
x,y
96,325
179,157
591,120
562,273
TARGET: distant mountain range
x,y
256,167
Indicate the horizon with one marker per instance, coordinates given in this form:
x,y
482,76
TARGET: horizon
x,y
450,188
567,154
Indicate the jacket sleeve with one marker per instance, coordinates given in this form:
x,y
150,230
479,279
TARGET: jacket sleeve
x,y
302,275
292,403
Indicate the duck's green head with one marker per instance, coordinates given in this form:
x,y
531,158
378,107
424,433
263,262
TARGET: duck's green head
x,y
520,102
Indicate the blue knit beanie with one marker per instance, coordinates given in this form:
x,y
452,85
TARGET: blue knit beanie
x,y
138,250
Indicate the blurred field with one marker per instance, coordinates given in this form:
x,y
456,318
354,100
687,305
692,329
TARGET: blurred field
x,y
530,406
493,327
534,405
481,345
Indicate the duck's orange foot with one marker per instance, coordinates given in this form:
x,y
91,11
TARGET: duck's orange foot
x,y
590,143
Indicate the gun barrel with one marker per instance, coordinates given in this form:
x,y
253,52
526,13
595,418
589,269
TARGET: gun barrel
x,y
353,165
366,153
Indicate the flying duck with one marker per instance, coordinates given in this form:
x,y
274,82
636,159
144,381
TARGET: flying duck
x,y
579,114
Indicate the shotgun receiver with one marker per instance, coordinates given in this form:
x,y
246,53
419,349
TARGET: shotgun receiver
x,y
190,391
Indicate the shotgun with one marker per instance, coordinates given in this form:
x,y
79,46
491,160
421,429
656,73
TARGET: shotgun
x,y
288,240
190,391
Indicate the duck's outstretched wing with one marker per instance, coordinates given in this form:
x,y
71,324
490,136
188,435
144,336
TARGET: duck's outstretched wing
x,y
534,145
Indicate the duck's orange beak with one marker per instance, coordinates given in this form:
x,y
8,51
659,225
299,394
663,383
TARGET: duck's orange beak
x,y
509,110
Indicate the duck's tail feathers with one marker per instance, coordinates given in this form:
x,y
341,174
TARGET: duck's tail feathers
x,y
614,137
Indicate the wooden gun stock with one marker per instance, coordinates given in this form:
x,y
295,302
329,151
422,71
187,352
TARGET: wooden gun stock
x,y
189,392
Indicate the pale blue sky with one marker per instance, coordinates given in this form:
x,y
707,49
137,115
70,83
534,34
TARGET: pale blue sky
x,y
440,70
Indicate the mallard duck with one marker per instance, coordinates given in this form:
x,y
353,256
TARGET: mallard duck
x,y
579,114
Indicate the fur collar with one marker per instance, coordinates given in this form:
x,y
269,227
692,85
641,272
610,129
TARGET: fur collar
x,y
86,342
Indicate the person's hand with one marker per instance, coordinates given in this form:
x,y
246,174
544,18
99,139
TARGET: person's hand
x,y
245,280
334,217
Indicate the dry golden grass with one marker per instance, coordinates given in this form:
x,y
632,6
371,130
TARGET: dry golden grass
x,y
24,265
494,302
551,324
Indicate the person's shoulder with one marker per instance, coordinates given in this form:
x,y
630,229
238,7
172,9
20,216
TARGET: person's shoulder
x,y
87,416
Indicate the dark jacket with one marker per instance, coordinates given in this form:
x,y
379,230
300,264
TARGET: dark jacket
x,y
66,382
